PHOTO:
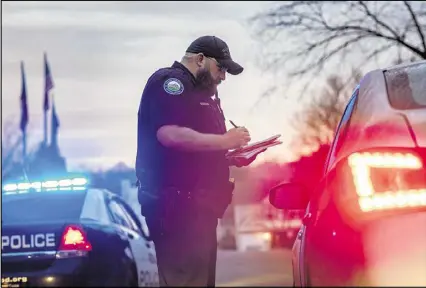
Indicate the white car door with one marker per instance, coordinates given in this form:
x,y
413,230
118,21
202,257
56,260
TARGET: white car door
x,y
143,249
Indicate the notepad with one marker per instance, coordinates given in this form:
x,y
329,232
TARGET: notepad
x,y
255,148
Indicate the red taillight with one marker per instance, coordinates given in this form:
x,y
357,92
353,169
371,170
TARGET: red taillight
x,y
74,238
398,191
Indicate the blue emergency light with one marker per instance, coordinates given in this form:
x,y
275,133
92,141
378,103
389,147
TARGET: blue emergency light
x,y
50,185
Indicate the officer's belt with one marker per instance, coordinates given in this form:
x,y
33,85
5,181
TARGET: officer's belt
x,y
189,193
215,199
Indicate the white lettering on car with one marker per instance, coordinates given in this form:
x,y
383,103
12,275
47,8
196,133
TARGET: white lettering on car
x,y
16,242
148,279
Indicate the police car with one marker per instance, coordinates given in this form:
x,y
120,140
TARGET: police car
x,y
365,223
61,232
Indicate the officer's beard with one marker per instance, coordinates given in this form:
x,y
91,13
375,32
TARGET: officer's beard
x,y
205,81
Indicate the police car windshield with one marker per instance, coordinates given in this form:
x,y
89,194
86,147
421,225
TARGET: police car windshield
x,y
42,207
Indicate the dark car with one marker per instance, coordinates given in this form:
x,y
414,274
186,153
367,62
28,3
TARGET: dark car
x,y
365,222
62,233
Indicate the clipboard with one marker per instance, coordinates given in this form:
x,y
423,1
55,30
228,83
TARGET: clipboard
x,y
255,148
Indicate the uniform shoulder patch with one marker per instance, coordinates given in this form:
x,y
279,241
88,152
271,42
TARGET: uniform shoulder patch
x,y
173,86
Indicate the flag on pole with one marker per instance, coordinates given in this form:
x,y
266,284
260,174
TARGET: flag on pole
x,y
24,105
48,83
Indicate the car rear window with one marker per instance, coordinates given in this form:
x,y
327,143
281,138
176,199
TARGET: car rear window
x,y
42,207
407,86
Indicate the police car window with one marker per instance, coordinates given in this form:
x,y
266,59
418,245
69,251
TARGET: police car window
x,y
118,214
94,207
341,130
39,207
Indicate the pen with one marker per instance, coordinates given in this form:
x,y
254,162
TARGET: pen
x,y
233,124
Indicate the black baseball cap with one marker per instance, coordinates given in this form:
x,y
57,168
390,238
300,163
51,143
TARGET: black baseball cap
x,y
214,47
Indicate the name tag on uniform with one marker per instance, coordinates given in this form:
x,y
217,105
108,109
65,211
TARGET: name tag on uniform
x,y
204,104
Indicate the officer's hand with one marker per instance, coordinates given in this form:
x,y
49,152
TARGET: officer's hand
x,y
236,138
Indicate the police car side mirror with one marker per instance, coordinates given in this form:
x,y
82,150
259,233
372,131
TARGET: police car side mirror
x,y
289,196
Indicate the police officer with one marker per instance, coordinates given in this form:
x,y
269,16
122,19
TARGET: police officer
x,y
182,170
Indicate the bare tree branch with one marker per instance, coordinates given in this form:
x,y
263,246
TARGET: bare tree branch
x,y
416,22
11,145
326,56
376,19
303,37
317,122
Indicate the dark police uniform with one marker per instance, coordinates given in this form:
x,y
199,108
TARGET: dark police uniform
x,y
182,194
186,107
171,98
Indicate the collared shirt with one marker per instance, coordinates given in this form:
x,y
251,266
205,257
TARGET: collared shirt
x,y
171,97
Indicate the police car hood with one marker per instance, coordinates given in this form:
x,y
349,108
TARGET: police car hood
x,y
31,237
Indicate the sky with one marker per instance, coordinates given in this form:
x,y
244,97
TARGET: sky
x,y
101,55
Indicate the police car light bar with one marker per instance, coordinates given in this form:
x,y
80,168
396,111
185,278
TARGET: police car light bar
x,y
63,184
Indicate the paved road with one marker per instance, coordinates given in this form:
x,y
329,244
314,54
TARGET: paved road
x,y
272,268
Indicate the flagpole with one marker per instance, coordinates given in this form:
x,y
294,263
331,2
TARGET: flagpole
x,y
24,147
45,127
24,116
52,96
